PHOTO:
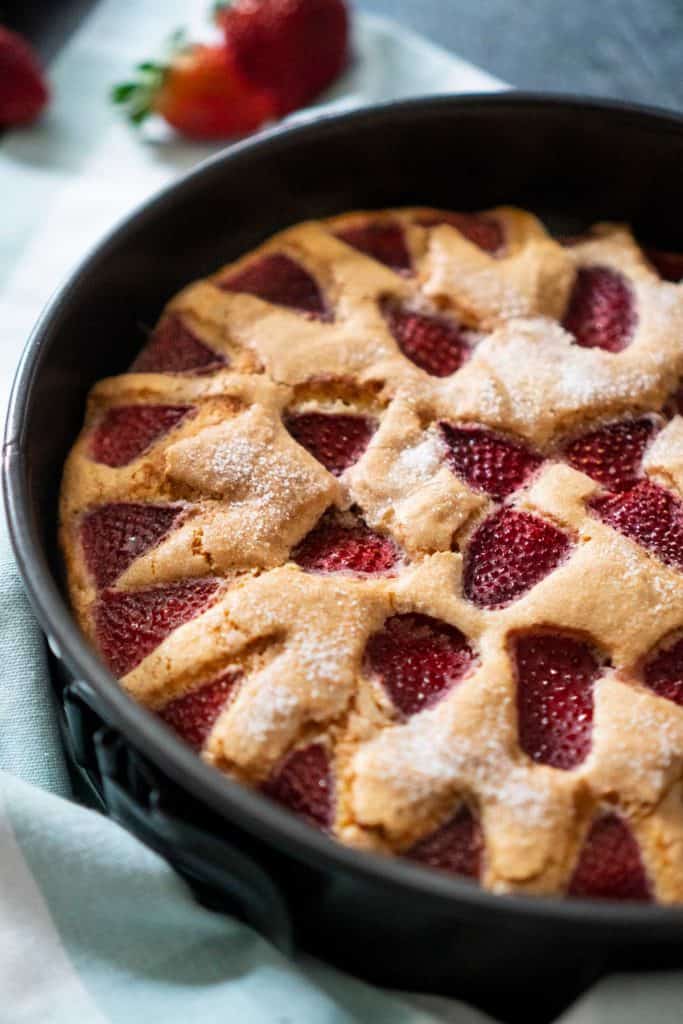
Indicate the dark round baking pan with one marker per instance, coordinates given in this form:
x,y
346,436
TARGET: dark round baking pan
x,y
391,921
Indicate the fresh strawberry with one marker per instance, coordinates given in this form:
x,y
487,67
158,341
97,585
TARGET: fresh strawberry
x,y
601,312
335,439
337,545
437,344
291,49
23,90
610,866
198,91
486,232
278,279
384,242
508,554
555,677
126,431
417,659
129,624
114,535
669,265
457,846
488,461
194,715
663,672
648,514
304,784
613,454
173,348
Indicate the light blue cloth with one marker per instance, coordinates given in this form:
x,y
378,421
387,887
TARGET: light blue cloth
x,y
95,928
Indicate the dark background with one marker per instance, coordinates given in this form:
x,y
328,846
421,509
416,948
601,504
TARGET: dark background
x,y
630,49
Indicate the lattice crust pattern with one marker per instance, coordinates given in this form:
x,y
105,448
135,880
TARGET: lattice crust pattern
x,y
386,520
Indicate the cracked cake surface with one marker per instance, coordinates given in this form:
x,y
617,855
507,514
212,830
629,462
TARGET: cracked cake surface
x,y
386,521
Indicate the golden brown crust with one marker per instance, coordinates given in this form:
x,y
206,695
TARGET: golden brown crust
x,y
249,493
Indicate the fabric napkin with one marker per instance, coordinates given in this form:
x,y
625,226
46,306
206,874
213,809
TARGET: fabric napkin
x,y
94,927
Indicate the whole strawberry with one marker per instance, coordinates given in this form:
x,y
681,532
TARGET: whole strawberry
x,y
293,48
23,92
198,92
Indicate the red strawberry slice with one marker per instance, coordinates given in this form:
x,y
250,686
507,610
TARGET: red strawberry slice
x,y
304,784
345,544
613,454
456,847
663,672
278,279
437,344
669,265
486,232
126,431
417,659
194,715
610,866
114,535
649,515
488,461
173,348
335,439
509,554
129,624
601,313
382,242
555,677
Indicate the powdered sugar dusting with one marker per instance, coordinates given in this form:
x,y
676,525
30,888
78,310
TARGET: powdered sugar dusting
x,y
530,374
428,755
417,464
645,742
252,464
267,708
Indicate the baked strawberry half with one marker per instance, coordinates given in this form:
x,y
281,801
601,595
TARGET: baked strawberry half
x,y
341,542
601,311
115,534
418,659
130,624
488,461
194,715
610,866
648,514
126,431
278,279
173,348
437,344
383,241
509,554
337,440
457,846
613,454
555,679
304,784
663,672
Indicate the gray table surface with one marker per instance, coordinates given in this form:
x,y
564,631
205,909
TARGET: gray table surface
x,y
629,49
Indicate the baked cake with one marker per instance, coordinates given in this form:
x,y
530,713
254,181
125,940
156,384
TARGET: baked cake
x,y
386,521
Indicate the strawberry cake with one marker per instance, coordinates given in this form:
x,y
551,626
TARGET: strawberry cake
x,y
386,521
